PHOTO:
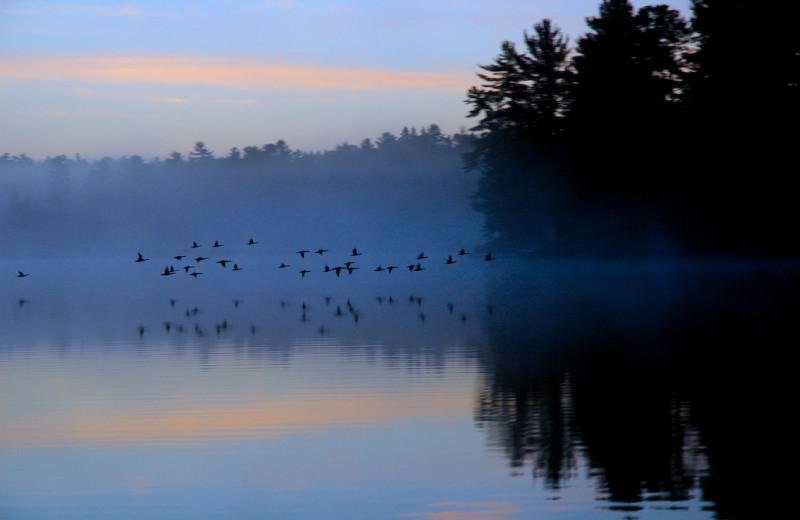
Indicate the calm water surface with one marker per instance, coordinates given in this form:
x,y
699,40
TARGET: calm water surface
x,y
504,390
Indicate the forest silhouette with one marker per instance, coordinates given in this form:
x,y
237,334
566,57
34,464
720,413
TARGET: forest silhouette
x,y
654,134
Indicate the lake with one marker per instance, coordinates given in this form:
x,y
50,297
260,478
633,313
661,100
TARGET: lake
x,y
517,388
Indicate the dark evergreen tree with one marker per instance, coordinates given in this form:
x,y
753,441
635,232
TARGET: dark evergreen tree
x,y
628,79
522,104
743,104
200,152
174,160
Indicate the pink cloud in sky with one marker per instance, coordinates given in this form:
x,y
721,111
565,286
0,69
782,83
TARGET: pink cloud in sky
x,y
240,73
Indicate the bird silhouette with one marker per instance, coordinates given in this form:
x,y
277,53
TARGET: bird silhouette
x,y
140,258
419,267
304,271
350,269
223,263
421,256
303,252
379,269
450,260
236,267
462,252
168,271
338,270
320,251
20,274
489,257
195,245
390,267
217,244
195,274
187,267
355,252
283,266
179,257
251,242
200,259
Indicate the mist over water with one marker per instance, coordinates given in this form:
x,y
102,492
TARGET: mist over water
x,y
84,209
605,386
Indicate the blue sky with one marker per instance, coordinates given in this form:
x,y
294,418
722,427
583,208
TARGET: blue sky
x,y
152,77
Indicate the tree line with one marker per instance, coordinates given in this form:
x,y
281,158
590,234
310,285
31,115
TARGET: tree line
x,y
420,148
653,131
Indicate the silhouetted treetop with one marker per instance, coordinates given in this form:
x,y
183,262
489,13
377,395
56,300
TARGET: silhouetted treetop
x,y
525,91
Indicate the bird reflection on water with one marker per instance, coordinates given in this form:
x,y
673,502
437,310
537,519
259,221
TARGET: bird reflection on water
x,y
614,368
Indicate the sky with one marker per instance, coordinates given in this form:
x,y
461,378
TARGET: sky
x,y
151,77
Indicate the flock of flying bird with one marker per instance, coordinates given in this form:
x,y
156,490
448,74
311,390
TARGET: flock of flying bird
x,y
348,266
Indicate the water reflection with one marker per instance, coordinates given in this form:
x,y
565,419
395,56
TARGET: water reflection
x,y
659,374
621,388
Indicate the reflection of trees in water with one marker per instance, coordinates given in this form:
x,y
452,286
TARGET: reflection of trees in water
x,y
533,427
664,394
628,421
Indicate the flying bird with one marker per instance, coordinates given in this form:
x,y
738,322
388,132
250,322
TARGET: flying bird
x,y
236,267
20,274
187,267
303,252
390,267
421,256
167,271
195,274
140,258
462,252
195,245
223,262
304,271
251,242
489,257
320,251
450,260
283,266
355,252
217,244
200,259
179,257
